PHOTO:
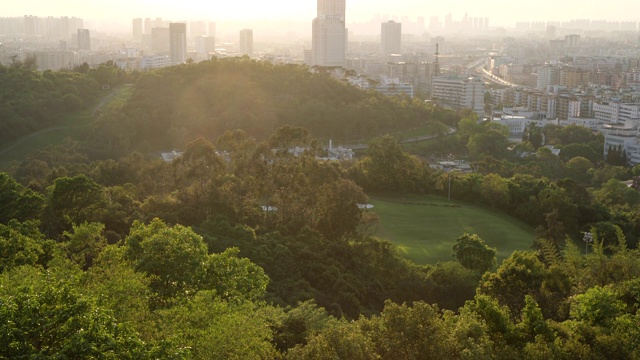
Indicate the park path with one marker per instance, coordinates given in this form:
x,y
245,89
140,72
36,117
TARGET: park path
x,y
404,141
105,99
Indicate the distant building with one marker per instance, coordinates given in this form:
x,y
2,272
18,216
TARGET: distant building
x,y
84,40
246,42
197,28
329,34
205,46
547,75
212,29
155,62
160,39
137,30
178,43
618,113
391,38
459,93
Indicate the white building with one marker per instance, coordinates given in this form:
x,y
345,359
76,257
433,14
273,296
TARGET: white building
x,y
329,39
547,75
459,93
618,113
626,139
155,62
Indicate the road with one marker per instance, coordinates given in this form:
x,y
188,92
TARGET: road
x,y
105,99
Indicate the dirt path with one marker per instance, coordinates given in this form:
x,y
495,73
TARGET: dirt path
x,y
105,99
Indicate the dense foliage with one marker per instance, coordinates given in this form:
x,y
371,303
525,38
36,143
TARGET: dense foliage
x,y
241,249
32,100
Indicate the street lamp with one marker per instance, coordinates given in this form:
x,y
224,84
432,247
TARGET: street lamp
x,y
588,239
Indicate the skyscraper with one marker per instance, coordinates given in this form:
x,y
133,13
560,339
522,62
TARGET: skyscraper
x,y
178,43
329,34
84,40
246,41
147,26
137,30
391,38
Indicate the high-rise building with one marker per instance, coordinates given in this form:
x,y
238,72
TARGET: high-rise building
x,y
391,38
137,30
205,45
197,28
246,41
459,93
212,29
329,40
178,43
160,39
147,26
84,40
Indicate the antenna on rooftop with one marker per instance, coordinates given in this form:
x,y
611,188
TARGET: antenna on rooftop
x,y
436,70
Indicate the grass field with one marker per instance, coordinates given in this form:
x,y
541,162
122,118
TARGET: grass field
x,y
72,126
425,227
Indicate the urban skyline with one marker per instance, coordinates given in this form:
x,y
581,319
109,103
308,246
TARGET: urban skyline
x,y
357,10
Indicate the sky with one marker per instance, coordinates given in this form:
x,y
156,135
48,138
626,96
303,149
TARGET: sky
x,y
501,12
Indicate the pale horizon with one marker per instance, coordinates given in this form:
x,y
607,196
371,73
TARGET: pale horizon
x,y
501,13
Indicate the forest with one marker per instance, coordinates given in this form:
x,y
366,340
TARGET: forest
x,y
31,100
239,249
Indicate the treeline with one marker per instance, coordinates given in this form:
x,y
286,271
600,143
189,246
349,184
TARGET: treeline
x,y
31,100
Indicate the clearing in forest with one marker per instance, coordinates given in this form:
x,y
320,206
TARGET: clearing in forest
x,y
425,228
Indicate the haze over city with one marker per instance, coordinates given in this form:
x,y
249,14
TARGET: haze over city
x,y
502,13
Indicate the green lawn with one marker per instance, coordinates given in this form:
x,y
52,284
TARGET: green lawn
x,y
425,227
72,126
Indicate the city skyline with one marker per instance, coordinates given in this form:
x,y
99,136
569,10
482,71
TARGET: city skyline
x,y
357,10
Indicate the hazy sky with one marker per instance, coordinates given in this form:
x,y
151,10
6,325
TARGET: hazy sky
x,y
500,12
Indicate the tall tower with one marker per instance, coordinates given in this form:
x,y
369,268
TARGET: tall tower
x,y
84,40
329,41
178,43
391,38
137,30
332,7
246,42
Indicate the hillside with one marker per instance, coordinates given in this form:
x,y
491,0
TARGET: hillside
x,y
210,97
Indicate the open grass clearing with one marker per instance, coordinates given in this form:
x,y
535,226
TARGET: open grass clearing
x,y
424,227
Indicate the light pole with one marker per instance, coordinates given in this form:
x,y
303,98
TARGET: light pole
x,y
449,176
588,239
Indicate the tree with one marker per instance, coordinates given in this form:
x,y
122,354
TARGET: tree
x,y
472,252
21,244
495,191
84,243
51,318
216,329
234,278
597,306
173,257
388,167
74,200
337,213
519,275
578,168
18,202
491,142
